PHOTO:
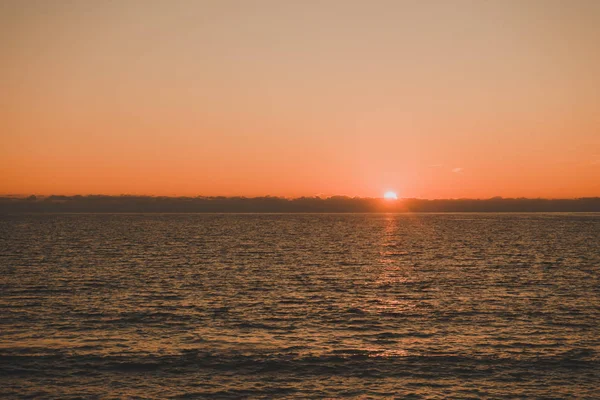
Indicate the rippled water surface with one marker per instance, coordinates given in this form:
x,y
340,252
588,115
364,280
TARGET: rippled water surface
x,y
302,306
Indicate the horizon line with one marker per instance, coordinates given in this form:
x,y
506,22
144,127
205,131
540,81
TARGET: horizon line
x,y
322,197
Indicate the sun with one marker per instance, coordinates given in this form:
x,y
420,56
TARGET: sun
x,y
390,196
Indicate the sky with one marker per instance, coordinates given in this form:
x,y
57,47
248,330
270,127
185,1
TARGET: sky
x,y
429,99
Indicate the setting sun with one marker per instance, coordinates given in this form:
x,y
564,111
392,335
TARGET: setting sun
x,y
390,196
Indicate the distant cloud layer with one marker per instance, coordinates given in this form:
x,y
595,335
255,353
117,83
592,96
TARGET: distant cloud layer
x,y
457,170
116,204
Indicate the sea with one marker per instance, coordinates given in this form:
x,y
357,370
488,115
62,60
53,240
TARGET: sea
x,y
306,306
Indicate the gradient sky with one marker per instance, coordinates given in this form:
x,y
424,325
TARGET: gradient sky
x,y
432,99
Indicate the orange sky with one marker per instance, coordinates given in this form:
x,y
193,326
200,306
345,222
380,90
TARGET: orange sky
x,y
431,99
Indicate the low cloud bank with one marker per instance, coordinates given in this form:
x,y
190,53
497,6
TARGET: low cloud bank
x,y
150,204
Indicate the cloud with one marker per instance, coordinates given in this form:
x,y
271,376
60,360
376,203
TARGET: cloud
x,y
436,165
457,170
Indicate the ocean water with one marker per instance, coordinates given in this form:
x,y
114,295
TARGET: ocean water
x,y
300,306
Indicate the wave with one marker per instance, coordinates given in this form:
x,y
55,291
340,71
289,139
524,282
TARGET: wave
x,y
341,361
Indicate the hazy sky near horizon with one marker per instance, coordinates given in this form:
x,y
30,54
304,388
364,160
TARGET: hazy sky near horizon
x,y
430,99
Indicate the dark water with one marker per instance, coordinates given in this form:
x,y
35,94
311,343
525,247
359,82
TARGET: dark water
x,y
300,306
